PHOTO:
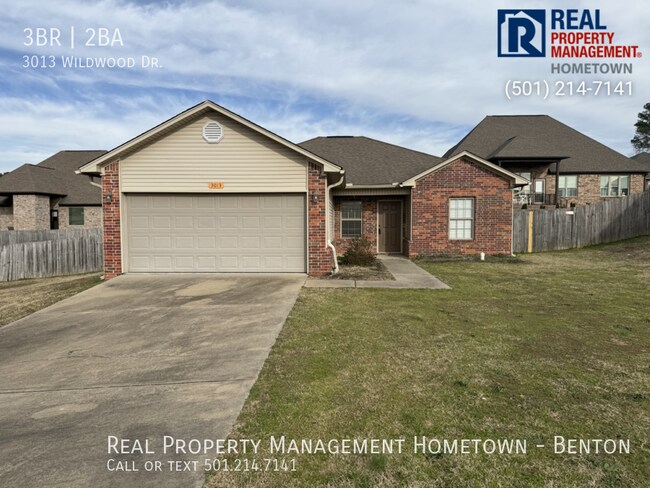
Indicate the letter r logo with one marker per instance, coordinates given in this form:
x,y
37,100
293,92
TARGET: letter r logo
x,y
521,33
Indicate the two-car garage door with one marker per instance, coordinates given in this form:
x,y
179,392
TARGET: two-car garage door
x,y
215,233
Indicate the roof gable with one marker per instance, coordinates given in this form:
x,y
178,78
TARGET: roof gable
x,y
540,137
182,119
514,178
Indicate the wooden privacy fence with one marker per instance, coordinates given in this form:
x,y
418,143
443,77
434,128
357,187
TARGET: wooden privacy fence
x,y
566,228
39,253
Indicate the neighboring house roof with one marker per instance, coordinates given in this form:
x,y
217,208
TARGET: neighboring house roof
x,y
540,137
643,158
55,176
178,121
369,161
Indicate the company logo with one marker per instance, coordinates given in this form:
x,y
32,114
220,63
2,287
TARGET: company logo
x,y
521,33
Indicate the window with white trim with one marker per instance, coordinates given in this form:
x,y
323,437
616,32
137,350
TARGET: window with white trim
x,y
568,186
351,219
461,218
614,185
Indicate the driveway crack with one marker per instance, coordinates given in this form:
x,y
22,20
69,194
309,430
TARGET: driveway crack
x,y
126,385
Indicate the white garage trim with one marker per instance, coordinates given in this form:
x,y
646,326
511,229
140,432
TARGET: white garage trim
x,y
214,233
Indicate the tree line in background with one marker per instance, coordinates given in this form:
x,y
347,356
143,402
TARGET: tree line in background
x,y
641,139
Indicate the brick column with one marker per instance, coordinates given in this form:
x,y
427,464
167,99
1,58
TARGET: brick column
x,y
112,217
320,258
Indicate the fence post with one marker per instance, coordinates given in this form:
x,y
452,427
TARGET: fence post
x,y
530,231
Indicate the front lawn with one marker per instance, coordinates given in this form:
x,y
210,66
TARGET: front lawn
x,y
551,344
21,298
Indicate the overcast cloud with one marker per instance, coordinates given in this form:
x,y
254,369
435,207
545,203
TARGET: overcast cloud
x,y
419,74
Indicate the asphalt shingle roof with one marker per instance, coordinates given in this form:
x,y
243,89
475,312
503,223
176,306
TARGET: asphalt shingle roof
x,y
55,176
540,136
369,161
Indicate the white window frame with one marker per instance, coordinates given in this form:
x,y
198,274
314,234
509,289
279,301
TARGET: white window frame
x,y
471,219
360,219
609,185
563,188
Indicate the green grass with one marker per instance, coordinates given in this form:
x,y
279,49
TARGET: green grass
x,y
21,298
549,344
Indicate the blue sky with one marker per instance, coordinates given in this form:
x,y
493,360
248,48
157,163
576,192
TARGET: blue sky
x,y
419,74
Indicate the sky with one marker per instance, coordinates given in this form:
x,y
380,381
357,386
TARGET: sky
x,y
419,74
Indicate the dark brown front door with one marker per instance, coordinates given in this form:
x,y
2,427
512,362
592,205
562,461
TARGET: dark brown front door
x,y
390,227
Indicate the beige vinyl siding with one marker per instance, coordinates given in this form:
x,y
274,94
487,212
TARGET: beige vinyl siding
x,y
244,160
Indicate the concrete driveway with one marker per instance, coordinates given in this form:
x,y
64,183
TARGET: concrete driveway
x,y
139,357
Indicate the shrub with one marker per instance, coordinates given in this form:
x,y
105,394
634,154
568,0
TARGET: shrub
x,y
359,253
524,206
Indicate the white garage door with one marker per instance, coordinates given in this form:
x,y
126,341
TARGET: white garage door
x,y
215,233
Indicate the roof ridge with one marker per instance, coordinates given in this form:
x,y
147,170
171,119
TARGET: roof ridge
x,y
399,147
453,148
588,137
519,115
501,146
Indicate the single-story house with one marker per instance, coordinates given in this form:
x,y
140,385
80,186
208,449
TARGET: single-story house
x,y
563,165
644,158
210,191
50,195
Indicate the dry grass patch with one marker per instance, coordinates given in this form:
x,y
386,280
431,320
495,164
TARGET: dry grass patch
x,y
374,272
21,298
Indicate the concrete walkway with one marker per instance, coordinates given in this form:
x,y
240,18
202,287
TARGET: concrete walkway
x,y
406,274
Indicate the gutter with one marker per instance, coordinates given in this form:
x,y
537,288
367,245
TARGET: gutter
x,y
328,231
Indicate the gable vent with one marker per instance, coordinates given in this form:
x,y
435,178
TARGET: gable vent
x,y
212,132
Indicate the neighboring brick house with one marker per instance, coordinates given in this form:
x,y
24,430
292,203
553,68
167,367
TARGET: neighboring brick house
x,y
563,165
644,158
209,191
50,195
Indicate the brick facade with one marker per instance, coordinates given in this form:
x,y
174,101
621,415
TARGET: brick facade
x,y
6,218
589,189
111,217
369,216
319,255
31,212
492,196
92,218
368,223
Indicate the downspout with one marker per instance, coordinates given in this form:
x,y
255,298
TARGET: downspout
x,y
328,230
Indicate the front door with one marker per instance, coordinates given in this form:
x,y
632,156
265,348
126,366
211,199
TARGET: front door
x,y
390,226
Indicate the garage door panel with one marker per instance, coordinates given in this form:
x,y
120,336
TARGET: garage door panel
x,y
162,263
183,202
161,202
161,222
215,233
226,243
226,223
274,242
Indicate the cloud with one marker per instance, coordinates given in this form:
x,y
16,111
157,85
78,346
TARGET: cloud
x,y
420,74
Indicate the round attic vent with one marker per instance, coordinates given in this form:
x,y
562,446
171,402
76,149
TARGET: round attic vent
x,y
212,132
